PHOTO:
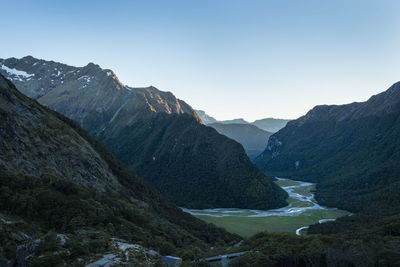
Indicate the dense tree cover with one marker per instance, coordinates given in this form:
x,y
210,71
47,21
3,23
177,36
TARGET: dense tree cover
x,y
134,189
363,248
55,204
193,165
354,162
364,239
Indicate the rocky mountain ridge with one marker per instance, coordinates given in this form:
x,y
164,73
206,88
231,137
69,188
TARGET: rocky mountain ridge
x,y
380,104
349,150
152,132
82,93
55,177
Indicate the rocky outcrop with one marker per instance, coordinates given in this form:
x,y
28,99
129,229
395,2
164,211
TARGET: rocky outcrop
x,y
205,118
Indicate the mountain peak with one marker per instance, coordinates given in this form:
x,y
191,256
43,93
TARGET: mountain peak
x,y
394,88
98,90
382,103
93,65
29,57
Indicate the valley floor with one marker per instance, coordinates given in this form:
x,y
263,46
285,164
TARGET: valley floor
x,y
303,210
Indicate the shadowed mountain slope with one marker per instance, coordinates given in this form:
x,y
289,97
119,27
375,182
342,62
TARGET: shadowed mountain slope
x,y
352,151
55,176
253,139
154,133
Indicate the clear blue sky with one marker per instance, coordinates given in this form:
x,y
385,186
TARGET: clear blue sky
x,y
247,58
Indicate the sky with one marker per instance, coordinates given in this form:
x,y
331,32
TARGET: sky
x,y
232,58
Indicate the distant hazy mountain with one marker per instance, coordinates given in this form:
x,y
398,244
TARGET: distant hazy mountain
x,y
206,119
235,121
267,124
153,132
253,136
270,124
352,151
253,139
55,178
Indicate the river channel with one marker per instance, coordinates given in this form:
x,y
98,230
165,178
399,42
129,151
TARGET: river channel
x,y
302,211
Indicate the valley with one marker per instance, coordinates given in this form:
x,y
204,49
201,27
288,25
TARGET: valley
x,y
303,210
200,133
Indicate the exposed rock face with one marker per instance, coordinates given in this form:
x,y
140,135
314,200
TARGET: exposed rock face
x,y
139,124
273,146
92,96
205,118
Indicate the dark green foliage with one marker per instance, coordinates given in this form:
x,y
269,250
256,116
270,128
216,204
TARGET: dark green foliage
x,y
134,211
193,165
185,150
363,248
65,207
355,161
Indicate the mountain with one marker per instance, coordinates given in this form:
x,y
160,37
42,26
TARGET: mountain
x,y
93,97
152,132
66,201
352,151
253,136
267,124
65,198
205,118
234,121
270,124
253,139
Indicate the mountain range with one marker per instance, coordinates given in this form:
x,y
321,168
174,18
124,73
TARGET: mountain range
x,y
152,132
58,182
65,200
253,136
267,124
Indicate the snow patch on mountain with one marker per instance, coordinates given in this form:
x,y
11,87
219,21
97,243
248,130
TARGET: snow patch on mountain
x,y
16,72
